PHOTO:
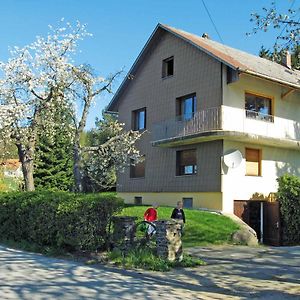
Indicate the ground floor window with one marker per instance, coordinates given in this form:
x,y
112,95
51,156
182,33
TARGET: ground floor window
x,y
187,202
186,162
138,200
253,162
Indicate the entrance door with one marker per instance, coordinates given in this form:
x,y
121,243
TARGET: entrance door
x,y
250,212
272,225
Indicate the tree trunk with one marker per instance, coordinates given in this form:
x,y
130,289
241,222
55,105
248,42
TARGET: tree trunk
x,y
77,167
26,159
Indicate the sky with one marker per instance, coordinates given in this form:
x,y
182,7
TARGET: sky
x,y
121,28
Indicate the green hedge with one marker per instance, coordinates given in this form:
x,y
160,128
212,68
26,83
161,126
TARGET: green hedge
x,y
289,198
58,219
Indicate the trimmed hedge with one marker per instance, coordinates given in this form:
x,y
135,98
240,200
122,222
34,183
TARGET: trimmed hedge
x,y
289,199
58,219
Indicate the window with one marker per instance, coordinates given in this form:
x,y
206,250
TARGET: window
x,y
186,162
139,119
138,200
137,170
258,107
168,67
187,202
253,162
186,107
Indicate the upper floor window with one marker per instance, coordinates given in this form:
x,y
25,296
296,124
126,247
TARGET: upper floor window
x,y
186,162
168,67
137,170
258,107
186,107
253,162
139,119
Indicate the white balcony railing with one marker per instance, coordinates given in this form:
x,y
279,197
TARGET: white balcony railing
x,y
228,119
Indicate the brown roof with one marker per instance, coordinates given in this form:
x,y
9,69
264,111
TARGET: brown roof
x,y
243,61
234,58
11,164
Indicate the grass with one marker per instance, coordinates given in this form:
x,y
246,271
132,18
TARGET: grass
x,y
202,228
146,259
9,184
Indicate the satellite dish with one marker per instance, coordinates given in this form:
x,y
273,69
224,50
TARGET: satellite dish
x,y
233,158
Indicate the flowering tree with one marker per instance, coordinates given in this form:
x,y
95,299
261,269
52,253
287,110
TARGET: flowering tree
x,y
38,78
111,149
287,22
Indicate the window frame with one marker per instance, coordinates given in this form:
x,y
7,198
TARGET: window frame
x,y
180,167
165,67
138,200
185,200
256,115
259,162
180,114
133,171
136,119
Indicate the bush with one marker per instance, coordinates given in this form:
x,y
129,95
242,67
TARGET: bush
x,y
58,219
289,199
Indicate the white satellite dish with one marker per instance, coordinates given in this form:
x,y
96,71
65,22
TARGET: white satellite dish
x,y
233,158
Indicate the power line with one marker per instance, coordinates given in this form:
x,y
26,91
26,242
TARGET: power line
x,y
210,17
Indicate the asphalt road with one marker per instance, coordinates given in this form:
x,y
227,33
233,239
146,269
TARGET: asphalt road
x,y
232,272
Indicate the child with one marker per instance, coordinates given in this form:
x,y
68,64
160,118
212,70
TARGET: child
x,y
178,215
178,212
150,215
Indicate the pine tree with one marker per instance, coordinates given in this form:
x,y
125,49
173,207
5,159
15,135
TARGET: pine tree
x,y
54,157
276,56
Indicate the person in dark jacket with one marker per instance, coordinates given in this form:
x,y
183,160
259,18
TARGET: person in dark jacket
x,y
178,213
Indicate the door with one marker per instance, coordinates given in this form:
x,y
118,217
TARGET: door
x,y
272,224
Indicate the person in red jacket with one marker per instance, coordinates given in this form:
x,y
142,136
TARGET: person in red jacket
x,y
150,215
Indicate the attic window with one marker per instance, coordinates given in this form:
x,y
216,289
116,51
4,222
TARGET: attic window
x,y
168,67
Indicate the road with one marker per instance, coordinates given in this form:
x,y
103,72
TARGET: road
x,y
232,272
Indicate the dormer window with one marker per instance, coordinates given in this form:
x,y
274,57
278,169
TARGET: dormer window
x,y
168,67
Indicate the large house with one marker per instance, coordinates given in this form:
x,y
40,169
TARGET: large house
x,y
220,124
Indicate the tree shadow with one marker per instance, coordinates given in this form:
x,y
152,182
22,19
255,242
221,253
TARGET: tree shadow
x,y
26,275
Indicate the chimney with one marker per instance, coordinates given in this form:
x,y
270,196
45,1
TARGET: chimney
x,y
287,60
205,36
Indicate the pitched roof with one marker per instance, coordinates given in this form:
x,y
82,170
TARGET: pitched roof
x,y
239,60
243,61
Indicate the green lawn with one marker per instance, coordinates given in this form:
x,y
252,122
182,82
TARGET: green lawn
x,y
202,228
9,184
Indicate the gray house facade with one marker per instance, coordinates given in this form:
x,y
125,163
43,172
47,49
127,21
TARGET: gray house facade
x,y
194,98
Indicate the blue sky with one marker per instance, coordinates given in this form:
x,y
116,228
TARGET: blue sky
x,y
121,28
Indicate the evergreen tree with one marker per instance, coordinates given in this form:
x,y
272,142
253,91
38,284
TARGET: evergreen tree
x,y
54,156
276,55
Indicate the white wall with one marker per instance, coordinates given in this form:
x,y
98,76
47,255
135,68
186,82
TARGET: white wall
x,y
286,111
275,162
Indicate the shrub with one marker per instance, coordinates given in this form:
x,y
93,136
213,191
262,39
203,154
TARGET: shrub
x,y
289,199
58,219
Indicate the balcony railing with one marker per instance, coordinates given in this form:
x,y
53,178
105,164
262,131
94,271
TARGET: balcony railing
x,y
201,121
228,118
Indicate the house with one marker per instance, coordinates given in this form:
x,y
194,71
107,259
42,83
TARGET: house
x,y
12,168
220,124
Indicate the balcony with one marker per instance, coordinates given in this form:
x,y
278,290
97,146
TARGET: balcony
x,y
231,123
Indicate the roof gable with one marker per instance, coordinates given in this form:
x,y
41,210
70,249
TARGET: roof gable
x,y
234,58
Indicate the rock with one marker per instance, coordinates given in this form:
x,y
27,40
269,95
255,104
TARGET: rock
x,y
245,236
